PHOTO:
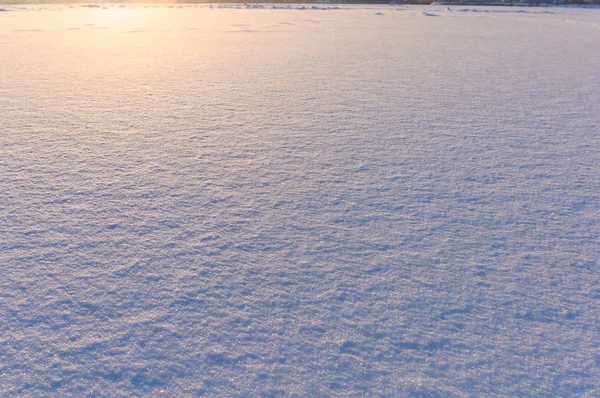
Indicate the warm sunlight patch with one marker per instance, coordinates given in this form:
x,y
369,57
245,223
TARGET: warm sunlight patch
x,y
117,16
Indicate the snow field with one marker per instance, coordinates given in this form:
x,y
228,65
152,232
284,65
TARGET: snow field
x,y
299,202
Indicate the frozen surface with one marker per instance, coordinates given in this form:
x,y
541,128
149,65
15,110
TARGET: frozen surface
x,y
338,201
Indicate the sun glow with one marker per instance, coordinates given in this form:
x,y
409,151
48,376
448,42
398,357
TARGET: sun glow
x,y
118,16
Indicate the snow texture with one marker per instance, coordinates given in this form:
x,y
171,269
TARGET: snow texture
x,y
299,201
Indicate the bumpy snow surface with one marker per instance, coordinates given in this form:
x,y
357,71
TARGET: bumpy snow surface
x,y
298,201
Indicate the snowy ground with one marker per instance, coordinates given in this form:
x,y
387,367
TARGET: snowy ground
x,y
362,201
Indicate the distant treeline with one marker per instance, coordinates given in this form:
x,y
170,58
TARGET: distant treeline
x,y
444,2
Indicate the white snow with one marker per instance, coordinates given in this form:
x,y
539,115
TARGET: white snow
x,y
284,202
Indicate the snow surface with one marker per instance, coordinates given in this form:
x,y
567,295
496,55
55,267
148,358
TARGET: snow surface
x,y
288,201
